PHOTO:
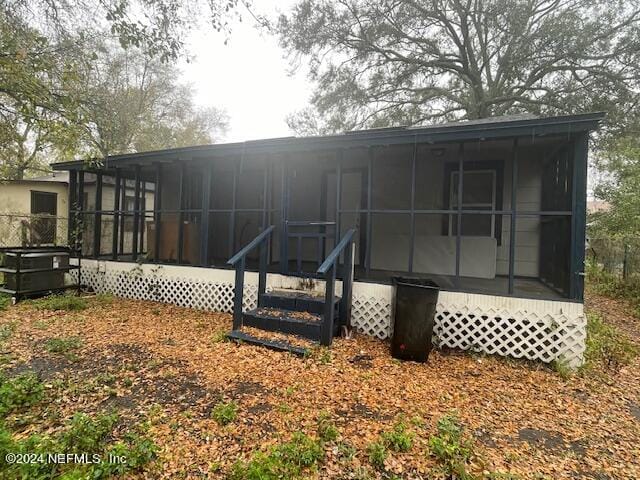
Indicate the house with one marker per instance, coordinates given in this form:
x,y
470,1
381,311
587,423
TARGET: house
x,y
493,210
34,211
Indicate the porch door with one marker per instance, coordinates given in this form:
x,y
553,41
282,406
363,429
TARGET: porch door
x,y
311,218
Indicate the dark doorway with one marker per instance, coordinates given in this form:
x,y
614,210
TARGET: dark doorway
x,y
44,209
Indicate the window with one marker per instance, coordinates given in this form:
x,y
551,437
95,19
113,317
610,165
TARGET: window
x,y
43,220
479,193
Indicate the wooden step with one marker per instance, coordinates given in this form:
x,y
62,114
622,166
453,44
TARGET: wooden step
x,y
278,345
295,301
290,322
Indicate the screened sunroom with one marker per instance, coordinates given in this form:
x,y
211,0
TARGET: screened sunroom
x,y
493,207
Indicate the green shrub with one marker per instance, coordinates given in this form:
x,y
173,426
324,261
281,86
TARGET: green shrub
x,y
452,450
377,453
286,460
19,392
62,345
327,431
224,413
606,345
60,302
398,439
5,301
86,434
6,330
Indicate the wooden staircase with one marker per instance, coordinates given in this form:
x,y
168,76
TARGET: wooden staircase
x,y
290,312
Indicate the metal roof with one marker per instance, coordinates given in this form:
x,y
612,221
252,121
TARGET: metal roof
x,y
482,129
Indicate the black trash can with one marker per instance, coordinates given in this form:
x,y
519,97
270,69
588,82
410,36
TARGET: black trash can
x,y
414,313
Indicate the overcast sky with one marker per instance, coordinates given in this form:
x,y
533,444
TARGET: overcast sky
x,y
248,77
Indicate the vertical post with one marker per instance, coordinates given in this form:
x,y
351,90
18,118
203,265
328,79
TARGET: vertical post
x,y
123,215
237,294
369,206
143,210
204,221
625,261
72,206
579,216
512,227
136,213
157,212
326,329
340,157
459,218
80,214
262,270
116,216
347,286
232,218
180,214
284,233
97,216
412,238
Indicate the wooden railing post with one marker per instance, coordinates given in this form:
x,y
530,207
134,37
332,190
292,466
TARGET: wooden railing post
x,y
262,270
347,286
238,295
326,331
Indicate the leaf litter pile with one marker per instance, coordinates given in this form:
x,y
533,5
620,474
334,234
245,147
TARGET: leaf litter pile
x,y
215,409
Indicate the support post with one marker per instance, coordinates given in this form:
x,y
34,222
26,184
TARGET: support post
x,y
262,270
72,207
512,227
157,215
579,216
284,233
79,234
340,157
136,213
232,218
326,330
347,286
123,203
369,207
143,213
116,216
97,216
412,237
180,214
238,294
459,217
204,221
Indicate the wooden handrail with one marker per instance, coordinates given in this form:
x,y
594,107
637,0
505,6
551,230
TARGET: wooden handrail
x,y
239,262
250,246
328,269
335,253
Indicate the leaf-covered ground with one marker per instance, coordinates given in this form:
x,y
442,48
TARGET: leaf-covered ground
x,y
170,368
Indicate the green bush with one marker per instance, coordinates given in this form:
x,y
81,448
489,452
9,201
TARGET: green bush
x,y
398,439
606,345
452,450
284,461
327,431
59,302
86,434
5,301
19,392
224,413
62,345
377,453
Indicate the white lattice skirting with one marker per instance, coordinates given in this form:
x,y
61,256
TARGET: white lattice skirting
x,y
521,328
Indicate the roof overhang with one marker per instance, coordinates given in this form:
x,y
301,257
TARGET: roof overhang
x,y
455,132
